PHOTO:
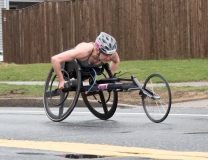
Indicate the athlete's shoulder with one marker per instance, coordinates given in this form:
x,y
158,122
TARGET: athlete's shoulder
x,y
84,45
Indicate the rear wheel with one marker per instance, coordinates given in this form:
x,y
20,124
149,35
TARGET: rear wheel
x,y
58,105
158,107
101,104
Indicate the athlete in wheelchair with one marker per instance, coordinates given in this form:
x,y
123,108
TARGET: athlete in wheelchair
x,y
77,70
89,55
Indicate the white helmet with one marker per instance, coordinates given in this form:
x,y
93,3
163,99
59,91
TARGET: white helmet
x,y
106,43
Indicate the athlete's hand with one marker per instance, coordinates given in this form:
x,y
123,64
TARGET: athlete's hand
x,y
61,85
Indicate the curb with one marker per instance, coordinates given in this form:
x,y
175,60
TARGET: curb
x,y
27,102
38,102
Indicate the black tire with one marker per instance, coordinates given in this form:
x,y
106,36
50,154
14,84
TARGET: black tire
x,y
101,104
96,103
157,109
58,105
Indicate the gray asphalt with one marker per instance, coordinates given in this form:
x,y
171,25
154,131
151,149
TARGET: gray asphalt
x,y
184,132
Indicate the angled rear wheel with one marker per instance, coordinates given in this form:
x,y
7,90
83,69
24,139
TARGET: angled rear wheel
x,y
101,104
58,105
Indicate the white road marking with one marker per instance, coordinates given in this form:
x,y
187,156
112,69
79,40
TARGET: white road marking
x,y
117,113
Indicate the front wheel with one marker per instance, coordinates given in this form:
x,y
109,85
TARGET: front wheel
x,y
157,107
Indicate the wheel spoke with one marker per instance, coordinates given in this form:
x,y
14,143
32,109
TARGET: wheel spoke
x,y
61,108
163,105
102,98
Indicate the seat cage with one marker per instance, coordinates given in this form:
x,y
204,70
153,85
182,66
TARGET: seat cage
x,y
86,72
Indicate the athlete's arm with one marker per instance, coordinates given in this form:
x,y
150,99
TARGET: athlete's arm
x,y
115,60
80,52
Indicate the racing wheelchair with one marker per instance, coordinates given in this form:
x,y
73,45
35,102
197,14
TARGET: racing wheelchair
x,y
100,93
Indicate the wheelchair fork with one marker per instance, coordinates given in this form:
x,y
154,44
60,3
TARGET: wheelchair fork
x,y
144,92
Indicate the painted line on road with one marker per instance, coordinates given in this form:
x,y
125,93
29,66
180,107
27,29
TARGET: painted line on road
x,y
190,115
103,150
174,114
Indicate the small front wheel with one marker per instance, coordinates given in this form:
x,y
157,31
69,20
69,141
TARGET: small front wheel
x,y
158,106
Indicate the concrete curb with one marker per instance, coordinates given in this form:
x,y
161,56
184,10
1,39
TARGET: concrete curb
x,y
38,102
26,102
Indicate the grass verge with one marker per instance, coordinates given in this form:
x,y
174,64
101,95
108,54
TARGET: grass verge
x,y
172,70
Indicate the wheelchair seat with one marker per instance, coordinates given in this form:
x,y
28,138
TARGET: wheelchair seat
x,y
86,72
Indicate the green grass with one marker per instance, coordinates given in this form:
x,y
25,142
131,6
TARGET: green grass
x,y
28,72
172,70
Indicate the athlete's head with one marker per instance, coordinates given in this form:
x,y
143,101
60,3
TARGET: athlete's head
x,y
106,44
